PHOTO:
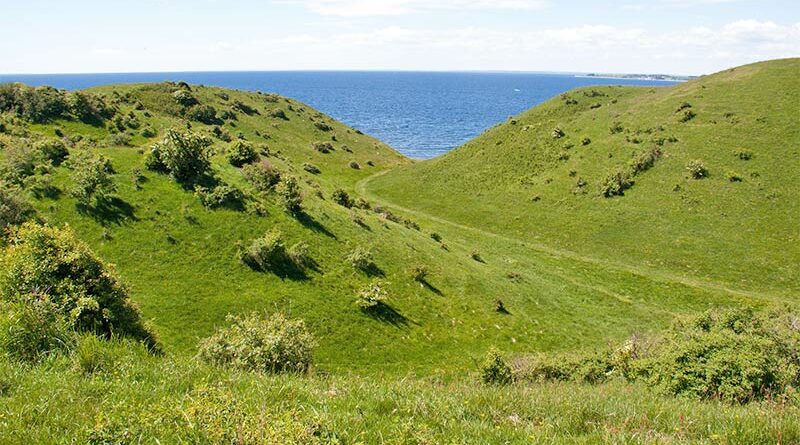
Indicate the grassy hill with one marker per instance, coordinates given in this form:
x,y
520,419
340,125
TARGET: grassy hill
x,y
518,245
540,177
180,258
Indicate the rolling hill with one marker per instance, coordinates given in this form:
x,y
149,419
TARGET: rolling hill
x,y
587,221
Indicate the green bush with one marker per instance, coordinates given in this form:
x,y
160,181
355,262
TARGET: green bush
x,y
148,132
341,197
289,193
278,114
299,254
53,150
322,147
205,114
734,177
311,168
241,152
221,195
696,169
261,175
92,179
184,156
645,160
744,155
322,126
265,253
419,273
184,98
616,183
14,208
686,116
260,343
43,263
34,329
354,165
21,163
372,297
361,259
495,370
557,133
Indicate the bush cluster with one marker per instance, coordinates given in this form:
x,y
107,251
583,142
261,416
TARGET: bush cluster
x,y
241,152
261,343
44,104
289,193
92,179
219,196
14,208
184,156
616,183
361,259
50,275
322,147
696,169
342,198
372,297
261,175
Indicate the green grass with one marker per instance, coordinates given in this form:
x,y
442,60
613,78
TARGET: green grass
x,y
514,181
142,399
575,271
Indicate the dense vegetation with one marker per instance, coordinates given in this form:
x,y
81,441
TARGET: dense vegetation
x,y
195,264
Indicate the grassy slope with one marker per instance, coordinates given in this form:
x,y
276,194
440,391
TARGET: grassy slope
x,y
180,260
514,180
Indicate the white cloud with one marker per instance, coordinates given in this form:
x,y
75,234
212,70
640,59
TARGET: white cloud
x,y
367,8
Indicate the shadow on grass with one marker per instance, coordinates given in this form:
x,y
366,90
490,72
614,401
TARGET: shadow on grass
x,y
310,223
387,314
373,271
285,270
427,285
109,211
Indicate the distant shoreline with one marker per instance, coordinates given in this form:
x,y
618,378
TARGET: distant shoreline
x,y
653,77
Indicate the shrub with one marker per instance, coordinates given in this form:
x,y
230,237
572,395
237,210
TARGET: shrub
x,y
22,162
586,141
322,147
361,259
354,165
265,253
686,116
241,152
299,255
92,179
733,176
696,169
261,343
495,370
205,114
341,197
148,132
278,114
44,263
185,156
735,355
372,297
418,272
361,203
645,160
243,108
475,255
14,209
616,127
33,330
500,307
184,98
311,168
53,150
289,194
322,126
744,155
219,196
261,175
557,133
436,237
616,183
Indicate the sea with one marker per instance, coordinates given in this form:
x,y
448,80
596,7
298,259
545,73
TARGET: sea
x,y
420,114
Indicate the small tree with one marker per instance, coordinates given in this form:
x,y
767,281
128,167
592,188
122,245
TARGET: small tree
x,y
341,197
696,169
261,175
372,297
185,156
241,152
92,179
272,344
290,196
495,370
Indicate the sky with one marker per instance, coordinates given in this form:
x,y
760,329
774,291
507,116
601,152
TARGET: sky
x,y
626,36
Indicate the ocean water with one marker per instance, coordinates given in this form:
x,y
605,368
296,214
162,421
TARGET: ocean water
x,y
421,114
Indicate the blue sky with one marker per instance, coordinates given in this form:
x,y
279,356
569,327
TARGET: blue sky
x,y
665,36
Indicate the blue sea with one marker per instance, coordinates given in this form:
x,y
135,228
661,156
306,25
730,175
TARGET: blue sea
x,y
421,114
